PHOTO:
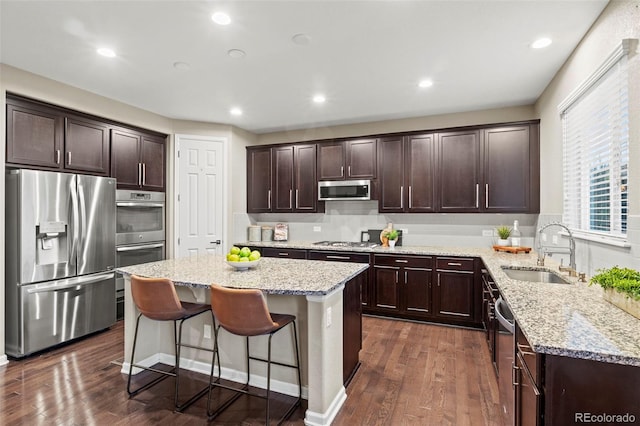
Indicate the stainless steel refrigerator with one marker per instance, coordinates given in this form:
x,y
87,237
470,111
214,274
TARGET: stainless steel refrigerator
x,y
60,256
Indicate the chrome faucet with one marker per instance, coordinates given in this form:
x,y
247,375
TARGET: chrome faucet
x,y
542,251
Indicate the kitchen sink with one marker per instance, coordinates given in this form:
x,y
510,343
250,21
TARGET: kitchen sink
x,y
535,275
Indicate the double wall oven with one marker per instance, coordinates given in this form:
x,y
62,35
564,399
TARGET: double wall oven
x,y
140,233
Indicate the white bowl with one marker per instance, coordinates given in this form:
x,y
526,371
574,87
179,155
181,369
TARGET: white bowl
x,y
243,265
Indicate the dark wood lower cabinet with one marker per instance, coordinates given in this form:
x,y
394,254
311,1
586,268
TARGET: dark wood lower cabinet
x,y
284,253
553,390
352,325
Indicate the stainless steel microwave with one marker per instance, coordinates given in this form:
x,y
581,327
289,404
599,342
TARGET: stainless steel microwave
x,y
344,190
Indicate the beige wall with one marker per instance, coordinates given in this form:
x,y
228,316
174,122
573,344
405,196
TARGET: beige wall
x,y
469,118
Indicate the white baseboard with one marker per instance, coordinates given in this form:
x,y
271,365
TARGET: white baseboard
x,y
4,360
279,386
313,418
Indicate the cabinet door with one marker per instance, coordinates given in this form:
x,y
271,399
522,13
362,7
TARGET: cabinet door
x,y
306,189
152,159
282,179
34,135
361,159
507,165
258,180
454,295
527,398
125,159
417,289
331,159
391,175
459,170
387,296
420,173
86,146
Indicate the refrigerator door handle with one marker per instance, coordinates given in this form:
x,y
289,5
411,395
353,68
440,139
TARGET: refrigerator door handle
x,y
76,225
72,282
145,205
83,224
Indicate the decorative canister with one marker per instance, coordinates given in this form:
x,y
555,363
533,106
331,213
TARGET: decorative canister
x,y
267,233
254,233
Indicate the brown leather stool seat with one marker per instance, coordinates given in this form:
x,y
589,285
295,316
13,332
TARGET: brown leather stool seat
x,y
156,299
245,313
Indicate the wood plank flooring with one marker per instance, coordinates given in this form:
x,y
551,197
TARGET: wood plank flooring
x,y
411,374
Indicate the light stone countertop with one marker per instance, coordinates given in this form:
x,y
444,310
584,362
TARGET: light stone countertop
x,y
273,276
558,319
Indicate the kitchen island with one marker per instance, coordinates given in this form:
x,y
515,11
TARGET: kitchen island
x,y
311,290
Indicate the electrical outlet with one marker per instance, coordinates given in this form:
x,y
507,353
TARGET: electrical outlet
x,y
487,233
317,229
405,231
207,331
555,240
328,317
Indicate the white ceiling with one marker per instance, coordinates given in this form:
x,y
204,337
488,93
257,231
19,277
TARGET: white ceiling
x,y
365,56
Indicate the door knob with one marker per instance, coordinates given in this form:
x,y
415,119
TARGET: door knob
x,y
218,242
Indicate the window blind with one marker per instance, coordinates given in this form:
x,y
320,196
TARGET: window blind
x,y
595,134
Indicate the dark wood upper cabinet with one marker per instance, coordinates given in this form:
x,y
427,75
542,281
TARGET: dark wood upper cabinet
x,y
306,188
459,171
511,169
86,146
282,179
34,135
406,174
420,175
258,180
137,160
391,175
351,159
152,157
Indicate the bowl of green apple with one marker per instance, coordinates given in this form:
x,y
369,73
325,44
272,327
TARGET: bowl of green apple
x,y
243,258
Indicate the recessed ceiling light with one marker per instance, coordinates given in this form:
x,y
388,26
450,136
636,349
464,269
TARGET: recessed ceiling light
x,y
221,18
235,111
541,42
182,66
301,39
425,83
236,53
105,51
319,98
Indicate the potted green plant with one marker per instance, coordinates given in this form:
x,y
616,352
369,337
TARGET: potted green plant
x,y
503,235
621,288
392,235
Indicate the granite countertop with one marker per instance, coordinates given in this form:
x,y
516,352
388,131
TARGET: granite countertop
x,y
273,276
558,319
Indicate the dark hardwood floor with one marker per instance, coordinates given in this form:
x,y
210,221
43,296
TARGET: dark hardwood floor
x,y
411,374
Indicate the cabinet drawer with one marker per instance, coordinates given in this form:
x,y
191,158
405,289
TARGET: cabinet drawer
x,y
529,357
455,263
403,261
339,256
284,253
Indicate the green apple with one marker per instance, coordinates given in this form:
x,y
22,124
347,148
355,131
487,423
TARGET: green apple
x,y
244,259
245,252
255,255
234,258
234,250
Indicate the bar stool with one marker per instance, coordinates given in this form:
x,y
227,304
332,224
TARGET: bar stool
x,y
156,299
245,313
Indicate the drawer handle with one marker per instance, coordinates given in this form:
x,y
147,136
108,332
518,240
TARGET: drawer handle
x,y
524,351
454,264
283,254
401,261
338,257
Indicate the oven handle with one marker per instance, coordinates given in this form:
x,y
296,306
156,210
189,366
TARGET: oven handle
x,y
143,247
120,204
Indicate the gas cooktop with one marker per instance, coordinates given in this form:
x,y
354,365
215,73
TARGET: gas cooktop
x,y
346,244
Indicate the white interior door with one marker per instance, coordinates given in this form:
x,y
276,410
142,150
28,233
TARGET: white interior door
x,y
200,199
